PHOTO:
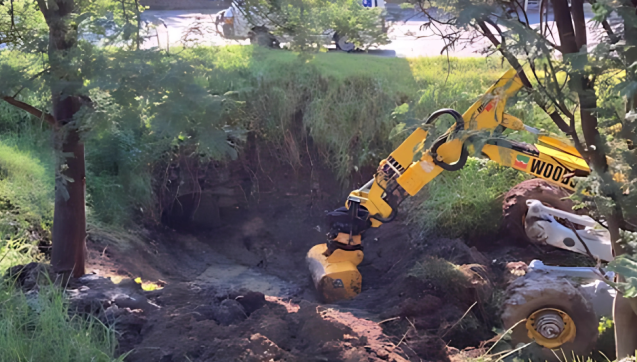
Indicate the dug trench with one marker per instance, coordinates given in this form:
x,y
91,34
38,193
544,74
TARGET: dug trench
x,y
225,279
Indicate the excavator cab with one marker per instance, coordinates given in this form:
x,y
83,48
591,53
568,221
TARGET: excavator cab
x,y
410,167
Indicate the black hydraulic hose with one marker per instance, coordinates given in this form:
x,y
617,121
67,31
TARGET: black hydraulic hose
x,y
464,154
459,120
390,218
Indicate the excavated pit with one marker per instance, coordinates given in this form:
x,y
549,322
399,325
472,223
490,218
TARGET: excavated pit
x,y
234,285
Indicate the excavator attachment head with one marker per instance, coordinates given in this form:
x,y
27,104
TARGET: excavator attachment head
x,y
335,275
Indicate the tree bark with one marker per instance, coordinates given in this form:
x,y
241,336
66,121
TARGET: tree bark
x,y
630,29
69,219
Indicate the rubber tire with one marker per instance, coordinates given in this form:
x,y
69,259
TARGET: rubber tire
x,y
228,31
536,291
337,38
262,37
514,206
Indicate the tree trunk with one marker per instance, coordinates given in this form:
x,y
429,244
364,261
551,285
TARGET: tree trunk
x,y
69,219
630,29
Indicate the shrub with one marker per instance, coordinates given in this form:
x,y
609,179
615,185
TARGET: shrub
x,y
465,202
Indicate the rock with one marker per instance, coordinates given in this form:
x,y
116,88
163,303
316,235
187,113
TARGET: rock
x,y
316,331
204,312
252,301
229,312
30,275
128,323
457,252
514,270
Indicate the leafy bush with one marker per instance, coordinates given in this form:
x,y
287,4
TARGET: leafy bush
x,y
467,201
304,22
37,327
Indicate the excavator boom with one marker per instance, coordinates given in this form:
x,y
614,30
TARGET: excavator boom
x,y
410,167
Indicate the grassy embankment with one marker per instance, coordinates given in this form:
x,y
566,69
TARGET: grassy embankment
x,y
348,104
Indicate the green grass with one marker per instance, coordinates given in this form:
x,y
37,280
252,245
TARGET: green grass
x,y
346,103
38,327
465,202
26,195
443,274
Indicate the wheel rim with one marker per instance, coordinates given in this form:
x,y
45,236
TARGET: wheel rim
x,y
550,328
344,45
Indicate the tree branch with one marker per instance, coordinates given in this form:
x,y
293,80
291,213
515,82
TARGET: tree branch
x,y
611,34
44,9
579,23
30,109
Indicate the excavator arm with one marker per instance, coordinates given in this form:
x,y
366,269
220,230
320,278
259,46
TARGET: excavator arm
x,y
410,167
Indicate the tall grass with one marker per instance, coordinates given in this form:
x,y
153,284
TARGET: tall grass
x,y
465,202
38,327
345,103
26,188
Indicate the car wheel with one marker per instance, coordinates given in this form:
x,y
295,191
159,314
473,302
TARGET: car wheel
x,y
228,31
343,45
262,37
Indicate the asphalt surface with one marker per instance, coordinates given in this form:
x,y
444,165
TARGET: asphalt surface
x,y
408,36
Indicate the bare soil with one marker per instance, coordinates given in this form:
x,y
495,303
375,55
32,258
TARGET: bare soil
x,y
241,291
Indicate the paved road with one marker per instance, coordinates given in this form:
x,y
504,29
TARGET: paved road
x,y
408,39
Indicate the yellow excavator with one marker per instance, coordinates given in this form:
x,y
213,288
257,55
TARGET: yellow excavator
x,y
410,167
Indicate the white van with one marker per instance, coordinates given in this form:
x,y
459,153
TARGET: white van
x,y
235,25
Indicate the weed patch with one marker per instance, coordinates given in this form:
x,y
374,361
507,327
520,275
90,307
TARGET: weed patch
x,y
443,274
465,202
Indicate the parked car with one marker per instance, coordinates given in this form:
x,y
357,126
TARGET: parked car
x,y
235,24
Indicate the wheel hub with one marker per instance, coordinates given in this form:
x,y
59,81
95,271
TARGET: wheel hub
x,y
550,328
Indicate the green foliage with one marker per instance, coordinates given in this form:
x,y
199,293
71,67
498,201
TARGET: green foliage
x,y
308,24
349,110
626,265
443,274
150,107
605,324
26,195
38,327
465,202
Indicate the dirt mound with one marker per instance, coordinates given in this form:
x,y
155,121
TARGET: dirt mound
x,y
191,326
